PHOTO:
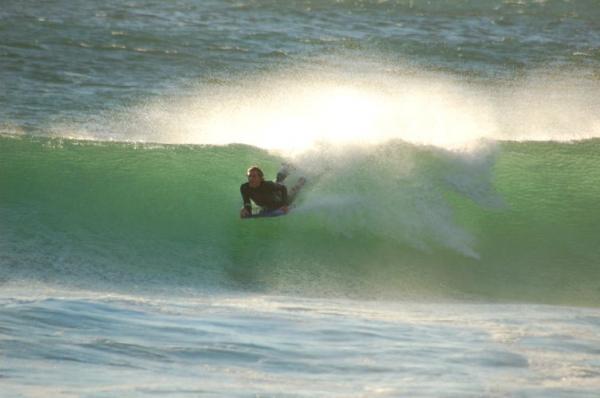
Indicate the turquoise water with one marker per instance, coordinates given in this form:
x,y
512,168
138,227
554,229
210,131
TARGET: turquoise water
x,y
515,222
446,243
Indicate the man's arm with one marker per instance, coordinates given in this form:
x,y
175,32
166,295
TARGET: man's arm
x,y
284,195
247,209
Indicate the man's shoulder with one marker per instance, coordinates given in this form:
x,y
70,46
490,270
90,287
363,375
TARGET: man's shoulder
x,y
245,186
272,185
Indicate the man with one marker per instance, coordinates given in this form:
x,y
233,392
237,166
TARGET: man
x,y
269,195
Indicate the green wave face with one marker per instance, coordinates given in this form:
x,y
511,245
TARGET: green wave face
x,y
507,222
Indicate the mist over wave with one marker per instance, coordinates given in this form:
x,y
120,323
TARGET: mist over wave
x,y
292,110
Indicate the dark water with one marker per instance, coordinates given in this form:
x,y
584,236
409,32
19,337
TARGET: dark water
x,y
66,61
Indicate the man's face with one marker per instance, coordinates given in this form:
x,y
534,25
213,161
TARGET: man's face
x,y
254,179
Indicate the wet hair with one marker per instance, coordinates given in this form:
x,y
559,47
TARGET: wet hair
x,y
257,169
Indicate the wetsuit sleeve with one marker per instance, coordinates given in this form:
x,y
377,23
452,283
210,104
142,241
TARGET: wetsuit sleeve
x,y
246,197
284,196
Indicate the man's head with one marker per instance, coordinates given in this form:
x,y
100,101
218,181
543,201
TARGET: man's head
x,y
255,176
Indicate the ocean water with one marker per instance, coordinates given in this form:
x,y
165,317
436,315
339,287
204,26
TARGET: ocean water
x,y
446,244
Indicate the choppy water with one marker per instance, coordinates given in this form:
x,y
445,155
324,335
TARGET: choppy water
x,y
446,244
271,346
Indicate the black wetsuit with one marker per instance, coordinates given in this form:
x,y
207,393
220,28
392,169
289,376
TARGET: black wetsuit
x,y
268,195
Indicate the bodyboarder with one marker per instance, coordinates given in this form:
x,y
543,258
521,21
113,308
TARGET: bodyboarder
x,y
271,196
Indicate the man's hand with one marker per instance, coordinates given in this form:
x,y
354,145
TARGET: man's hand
x,y
244,213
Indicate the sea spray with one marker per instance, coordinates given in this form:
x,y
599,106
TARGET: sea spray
x,y
294,109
